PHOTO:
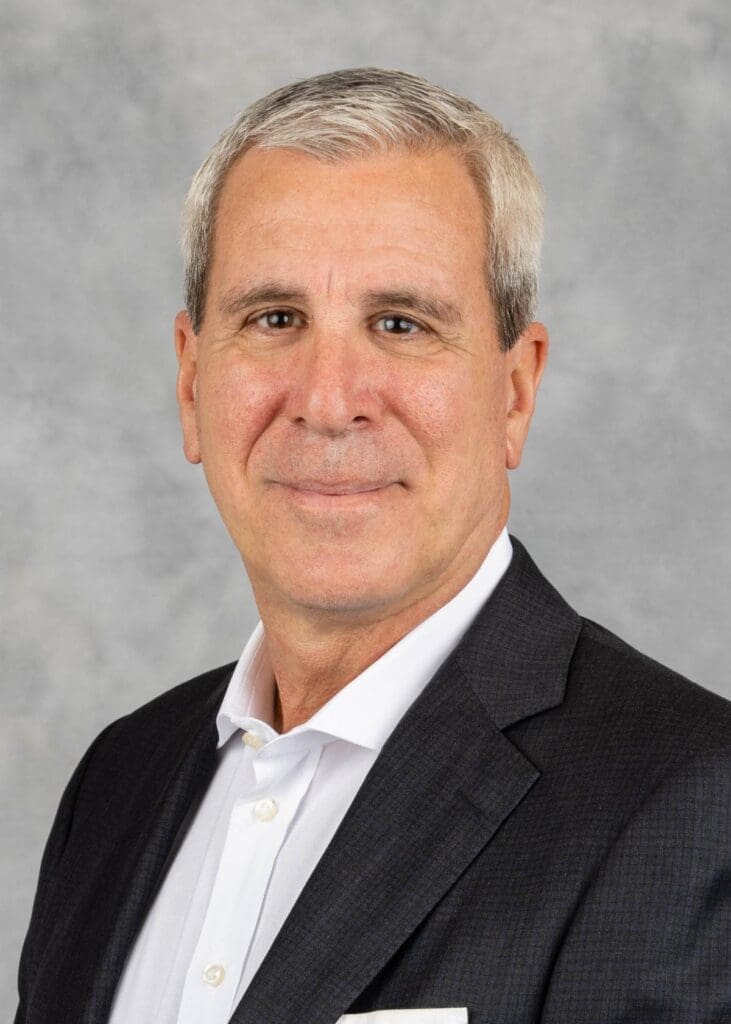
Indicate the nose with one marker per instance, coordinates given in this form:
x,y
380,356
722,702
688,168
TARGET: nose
x,y
334,388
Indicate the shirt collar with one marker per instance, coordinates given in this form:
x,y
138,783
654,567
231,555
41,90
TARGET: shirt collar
x,y
368,708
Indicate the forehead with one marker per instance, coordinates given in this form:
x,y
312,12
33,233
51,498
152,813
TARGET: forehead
x,y
389,211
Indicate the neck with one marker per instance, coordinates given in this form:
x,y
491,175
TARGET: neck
x,y
314,655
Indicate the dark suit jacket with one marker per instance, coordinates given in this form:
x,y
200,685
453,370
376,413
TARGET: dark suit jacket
x,y
544,837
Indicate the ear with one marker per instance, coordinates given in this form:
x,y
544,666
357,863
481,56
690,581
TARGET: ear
x,y
186,349
526,361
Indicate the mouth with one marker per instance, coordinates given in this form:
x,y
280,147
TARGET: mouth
x,y
337,489
341,495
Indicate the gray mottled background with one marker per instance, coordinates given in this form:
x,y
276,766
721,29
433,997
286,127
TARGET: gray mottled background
x,y
117,578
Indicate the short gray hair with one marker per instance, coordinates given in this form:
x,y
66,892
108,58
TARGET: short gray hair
x,y
361,110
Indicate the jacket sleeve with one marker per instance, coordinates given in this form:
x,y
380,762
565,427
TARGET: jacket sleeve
x,y
52,855
651,938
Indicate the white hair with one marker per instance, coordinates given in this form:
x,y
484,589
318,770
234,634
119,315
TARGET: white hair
x,y
361,110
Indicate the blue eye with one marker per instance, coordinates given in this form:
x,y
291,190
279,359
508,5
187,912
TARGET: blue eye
x,y
398,325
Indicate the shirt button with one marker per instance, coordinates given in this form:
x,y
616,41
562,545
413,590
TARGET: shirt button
x,y
214,974
265,810
253,739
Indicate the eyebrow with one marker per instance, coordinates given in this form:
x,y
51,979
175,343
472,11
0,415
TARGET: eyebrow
x,y
426,305
237,300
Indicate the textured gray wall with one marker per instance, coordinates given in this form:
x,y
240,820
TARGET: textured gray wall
x,y
118,580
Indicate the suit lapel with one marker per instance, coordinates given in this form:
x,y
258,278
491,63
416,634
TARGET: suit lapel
x,y
441,787
108,888
136,876
437,793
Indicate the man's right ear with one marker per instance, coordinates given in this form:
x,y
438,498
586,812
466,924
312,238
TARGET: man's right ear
x,y
186,349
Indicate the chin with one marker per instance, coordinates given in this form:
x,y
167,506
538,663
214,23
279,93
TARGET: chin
x,y
344,592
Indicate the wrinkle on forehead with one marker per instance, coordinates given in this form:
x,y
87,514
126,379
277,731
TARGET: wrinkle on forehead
x,y
389,225
428,192
350,226
328,261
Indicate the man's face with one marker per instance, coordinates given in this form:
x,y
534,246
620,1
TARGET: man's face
x,y
346,394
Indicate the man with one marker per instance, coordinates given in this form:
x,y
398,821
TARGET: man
x,y
455,799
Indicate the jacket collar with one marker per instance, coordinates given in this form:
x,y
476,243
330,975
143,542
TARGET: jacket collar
x,y
516,656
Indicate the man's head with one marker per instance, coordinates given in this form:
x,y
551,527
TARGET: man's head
x,y
358,362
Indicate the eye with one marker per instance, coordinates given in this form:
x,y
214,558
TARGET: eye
x,y
276,319
398,325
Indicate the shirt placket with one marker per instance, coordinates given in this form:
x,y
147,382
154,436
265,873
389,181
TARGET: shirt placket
x,y
257,828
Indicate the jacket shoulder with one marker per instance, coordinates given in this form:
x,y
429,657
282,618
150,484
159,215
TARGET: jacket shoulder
x,y
187,700
125,749
650,700
186,696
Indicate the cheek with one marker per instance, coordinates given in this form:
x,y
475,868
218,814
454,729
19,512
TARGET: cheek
x,y
459,421
234,408
433,410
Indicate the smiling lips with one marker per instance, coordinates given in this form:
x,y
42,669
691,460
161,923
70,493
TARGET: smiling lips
x,y
336,488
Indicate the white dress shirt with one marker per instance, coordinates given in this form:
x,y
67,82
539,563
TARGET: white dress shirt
x,y
273,805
